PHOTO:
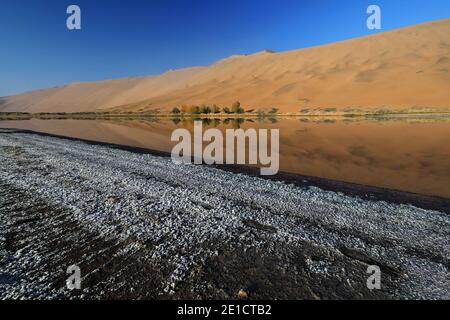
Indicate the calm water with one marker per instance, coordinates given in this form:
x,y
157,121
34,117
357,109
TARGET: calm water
x,y
406,155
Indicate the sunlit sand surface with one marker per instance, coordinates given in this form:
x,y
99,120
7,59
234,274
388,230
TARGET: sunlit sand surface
x,y
397,69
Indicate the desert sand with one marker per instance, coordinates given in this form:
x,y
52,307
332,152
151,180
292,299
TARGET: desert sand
x,y
402,68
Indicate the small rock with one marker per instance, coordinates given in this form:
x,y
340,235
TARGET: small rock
x,y
242,294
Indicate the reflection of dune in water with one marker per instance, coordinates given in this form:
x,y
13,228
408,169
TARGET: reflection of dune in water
x,y
410,156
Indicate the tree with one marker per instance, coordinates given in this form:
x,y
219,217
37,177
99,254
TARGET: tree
x,y
273,111
194,110
175,110
205,109
215,109
226,110
236,108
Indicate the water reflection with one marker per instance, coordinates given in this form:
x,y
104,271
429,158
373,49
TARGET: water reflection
x,y
215,122
404,153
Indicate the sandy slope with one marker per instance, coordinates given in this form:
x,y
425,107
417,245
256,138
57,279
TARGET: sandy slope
x,y
401,68
88,96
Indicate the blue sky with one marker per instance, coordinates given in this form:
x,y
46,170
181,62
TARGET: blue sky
x,y
132,38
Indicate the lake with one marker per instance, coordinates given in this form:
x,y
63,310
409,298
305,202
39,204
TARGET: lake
x,y
408,155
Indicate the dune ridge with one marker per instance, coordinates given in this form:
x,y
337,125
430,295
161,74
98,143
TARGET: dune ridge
x,y
402,68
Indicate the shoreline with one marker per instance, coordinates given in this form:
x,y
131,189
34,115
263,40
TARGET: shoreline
x,y
365,192
142,227
369,115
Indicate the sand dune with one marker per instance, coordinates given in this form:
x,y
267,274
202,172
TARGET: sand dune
x,y
403,68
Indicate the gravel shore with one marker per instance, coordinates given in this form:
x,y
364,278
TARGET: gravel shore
x,y
140,226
